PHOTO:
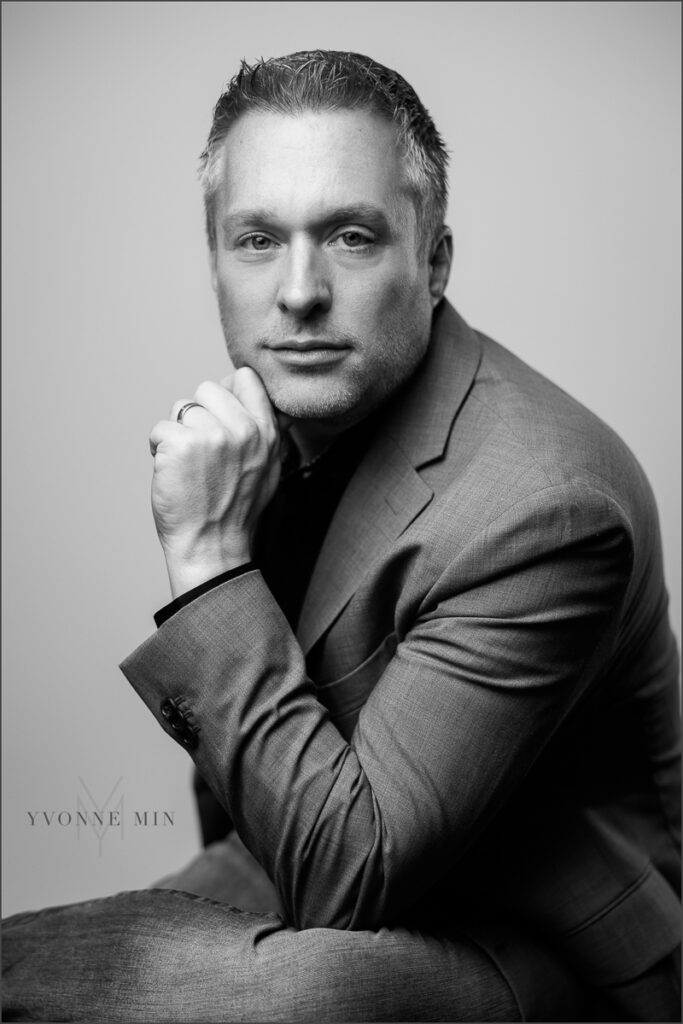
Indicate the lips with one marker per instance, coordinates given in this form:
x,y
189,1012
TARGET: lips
x,y
311,352
313,344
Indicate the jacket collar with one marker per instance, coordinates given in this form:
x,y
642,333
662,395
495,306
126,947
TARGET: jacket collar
x,y
420,421
386,493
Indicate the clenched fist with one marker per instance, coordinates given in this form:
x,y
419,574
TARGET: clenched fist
x,y
214,473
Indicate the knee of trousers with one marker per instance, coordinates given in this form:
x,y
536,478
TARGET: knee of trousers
x,y
162,954
323,973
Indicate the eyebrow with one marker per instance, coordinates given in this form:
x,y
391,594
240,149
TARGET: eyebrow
x,y
365,212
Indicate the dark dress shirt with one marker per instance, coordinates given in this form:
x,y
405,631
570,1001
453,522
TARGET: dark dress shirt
x,y
293,526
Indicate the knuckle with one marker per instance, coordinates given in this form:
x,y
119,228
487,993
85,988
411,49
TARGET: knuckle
x,y
194,439
243,373
245,432
204,391
184,442
271,440
216,437
205,435
254,431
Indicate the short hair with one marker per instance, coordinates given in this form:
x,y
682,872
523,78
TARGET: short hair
x,y
335,80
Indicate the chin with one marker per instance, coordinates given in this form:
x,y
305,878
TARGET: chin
x,y
314,403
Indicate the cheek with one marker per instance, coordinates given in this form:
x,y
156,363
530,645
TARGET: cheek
x,y
390,298
396,279
241,298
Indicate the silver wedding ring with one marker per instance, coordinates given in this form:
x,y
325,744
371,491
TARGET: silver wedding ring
x,y
184,408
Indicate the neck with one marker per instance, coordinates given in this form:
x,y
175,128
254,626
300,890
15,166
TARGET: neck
x,y
313,436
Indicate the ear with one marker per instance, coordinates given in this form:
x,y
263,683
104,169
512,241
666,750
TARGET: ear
x,y
440,265
213,267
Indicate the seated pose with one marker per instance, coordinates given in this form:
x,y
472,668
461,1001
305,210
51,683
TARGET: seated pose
x,y
418,645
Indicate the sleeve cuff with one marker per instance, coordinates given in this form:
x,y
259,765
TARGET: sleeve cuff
x,y
179,602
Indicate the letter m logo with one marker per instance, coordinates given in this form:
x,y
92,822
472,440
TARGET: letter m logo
x,y
98,815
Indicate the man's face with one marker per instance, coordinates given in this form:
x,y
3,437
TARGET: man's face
x,y
320,285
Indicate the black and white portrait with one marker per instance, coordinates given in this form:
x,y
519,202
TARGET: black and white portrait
x,y
341,507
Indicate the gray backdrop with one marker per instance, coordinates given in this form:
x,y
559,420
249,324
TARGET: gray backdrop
x,y
563,124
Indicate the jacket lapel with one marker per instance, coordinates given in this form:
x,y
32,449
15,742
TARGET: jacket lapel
x,y
386,492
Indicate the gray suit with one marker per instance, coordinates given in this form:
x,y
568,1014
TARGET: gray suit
x,y
477,723
461,776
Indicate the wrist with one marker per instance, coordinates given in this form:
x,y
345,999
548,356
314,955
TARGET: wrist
x,y
185,572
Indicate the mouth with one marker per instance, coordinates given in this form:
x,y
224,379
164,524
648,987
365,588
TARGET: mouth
x,y
306,345
309,352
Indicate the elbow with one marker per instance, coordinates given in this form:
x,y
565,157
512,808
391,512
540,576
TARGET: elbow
x,y
344,899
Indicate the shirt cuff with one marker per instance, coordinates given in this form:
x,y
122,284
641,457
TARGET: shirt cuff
x,y
190,595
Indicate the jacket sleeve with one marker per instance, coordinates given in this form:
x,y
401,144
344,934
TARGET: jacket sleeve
x,y
214,823
510,632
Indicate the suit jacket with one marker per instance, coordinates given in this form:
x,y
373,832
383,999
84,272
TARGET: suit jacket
x,y
477,721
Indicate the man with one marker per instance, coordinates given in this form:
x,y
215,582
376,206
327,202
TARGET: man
x,y
418,645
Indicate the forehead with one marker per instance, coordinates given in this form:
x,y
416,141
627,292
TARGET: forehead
x,y
341,158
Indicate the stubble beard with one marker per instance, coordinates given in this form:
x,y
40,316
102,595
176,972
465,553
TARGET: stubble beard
x,y
347,396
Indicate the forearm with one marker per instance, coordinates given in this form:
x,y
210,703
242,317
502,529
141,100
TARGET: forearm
x,y
267,748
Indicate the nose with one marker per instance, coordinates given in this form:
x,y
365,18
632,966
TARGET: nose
x,y
304,286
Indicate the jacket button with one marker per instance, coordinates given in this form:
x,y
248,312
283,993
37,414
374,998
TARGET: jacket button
x,y
172,714
179,718
167,707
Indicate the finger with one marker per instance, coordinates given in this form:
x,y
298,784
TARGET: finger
x,y
284,421
163,432
248,388
220,403
190,416
227,408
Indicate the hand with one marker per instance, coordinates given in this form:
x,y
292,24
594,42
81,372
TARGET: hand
x,y
214,473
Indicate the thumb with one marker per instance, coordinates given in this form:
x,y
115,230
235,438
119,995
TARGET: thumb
x,y
284,421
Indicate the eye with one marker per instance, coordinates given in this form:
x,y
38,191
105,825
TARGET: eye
x,y
256,243
354,239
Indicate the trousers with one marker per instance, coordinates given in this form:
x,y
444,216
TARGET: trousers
x,y
169,954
